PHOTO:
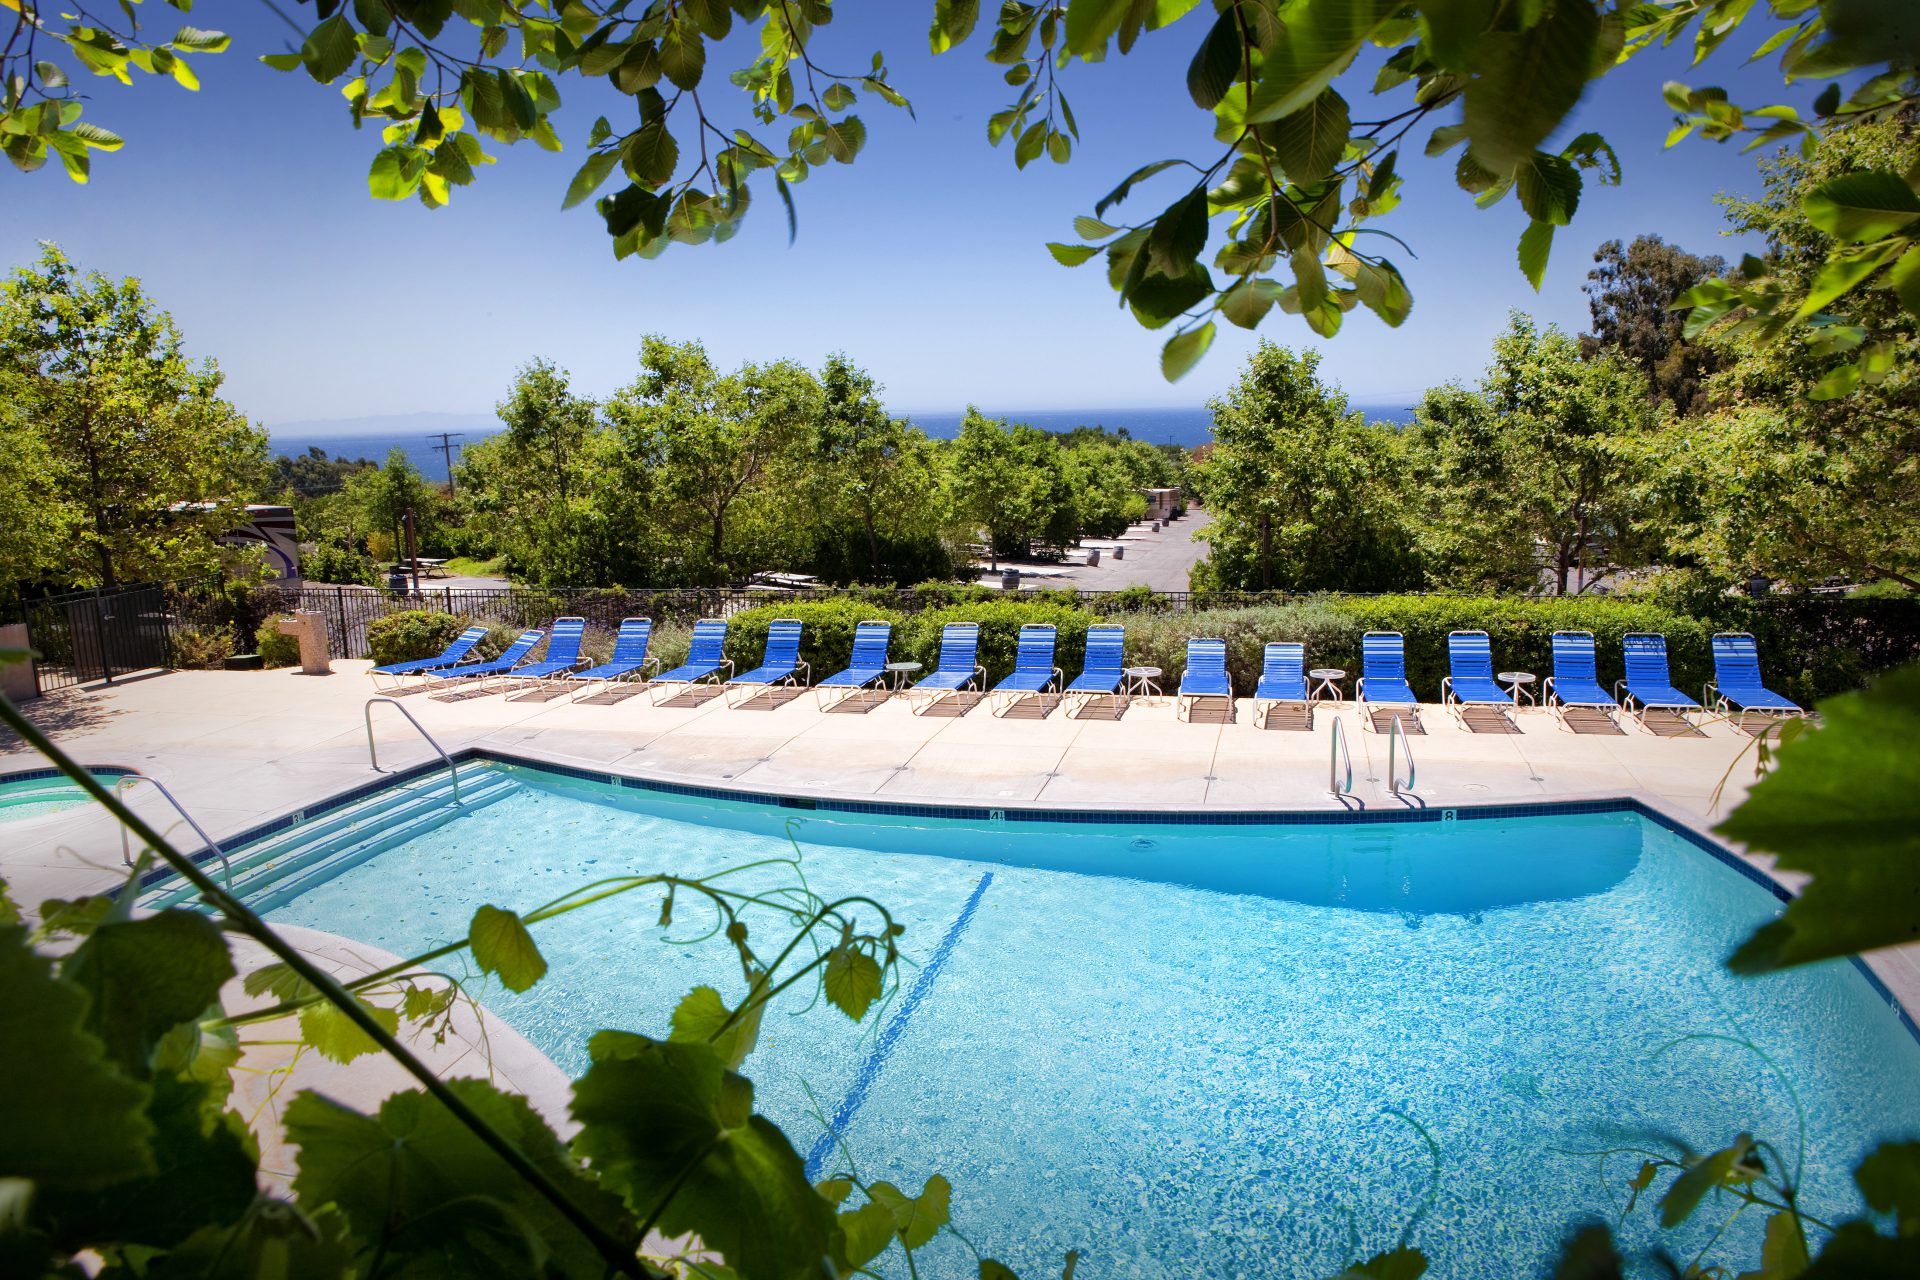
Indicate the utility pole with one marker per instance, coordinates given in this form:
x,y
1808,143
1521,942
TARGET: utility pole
x,y
446,448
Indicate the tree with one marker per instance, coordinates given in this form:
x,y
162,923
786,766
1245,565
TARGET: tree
x,y
1304,495
386,496
1631,292
540,483
1791,480
1292,181
1008,484
1536,467
877,473
714,443
140,466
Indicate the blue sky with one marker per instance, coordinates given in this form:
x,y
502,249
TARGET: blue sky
x,y
243,207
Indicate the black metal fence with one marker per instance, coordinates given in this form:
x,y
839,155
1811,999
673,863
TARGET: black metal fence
x,y
98,635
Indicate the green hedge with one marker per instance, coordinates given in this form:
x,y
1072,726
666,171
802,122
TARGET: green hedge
x,y
1000,623
412,634
826,632
276,649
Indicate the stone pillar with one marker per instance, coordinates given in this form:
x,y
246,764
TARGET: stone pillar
x,y
16,678
309,626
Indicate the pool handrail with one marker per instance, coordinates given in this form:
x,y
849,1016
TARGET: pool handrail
x,y
1335,754
373,756
126,847
1398,733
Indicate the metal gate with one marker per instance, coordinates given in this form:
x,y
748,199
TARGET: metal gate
x,y
98,635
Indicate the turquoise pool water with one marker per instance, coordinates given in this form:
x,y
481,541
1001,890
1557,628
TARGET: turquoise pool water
x,y
43,791
1192,1050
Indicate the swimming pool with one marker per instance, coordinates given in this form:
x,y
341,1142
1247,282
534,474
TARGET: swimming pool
x,y
1186,1047
34,793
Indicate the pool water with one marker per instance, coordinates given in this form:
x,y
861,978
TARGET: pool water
x,y
39,792
1188,1049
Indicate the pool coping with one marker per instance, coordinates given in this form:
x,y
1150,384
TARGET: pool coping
x,y
1062,814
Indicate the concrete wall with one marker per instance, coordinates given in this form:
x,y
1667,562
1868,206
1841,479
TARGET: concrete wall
x,y
16,678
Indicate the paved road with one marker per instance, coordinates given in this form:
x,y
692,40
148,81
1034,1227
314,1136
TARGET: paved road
x,y
1157,560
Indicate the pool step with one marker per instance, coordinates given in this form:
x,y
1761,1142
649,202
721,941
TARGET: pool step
x,y
273,870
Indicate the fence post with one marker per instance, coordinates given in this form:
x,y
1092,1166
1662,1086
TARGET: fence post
x,y
340,607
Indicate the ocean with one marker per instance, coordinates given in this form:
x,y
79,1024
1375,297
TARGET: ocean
x,y
1184,427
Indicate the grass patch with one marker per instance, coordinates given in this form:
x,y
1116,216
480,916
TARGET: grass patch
x,y
468,567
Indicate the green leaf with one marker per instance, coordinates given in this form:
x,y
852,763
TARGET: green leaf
x,y
1216,63
1536,242
1179,234
417,1179
590,177
96,137
1399,1264
852,980
1091,23
1245,303
953,22
1525,83
868,1232
683,56
702,1017
666,1122
838,97
1589,1254
844,138
1139,175
1320,40
1311,141
1071,255
1183,351
1861,206
1843,270
502,945
919,1218
1835,384
1720,1169
146,976
1783,1249
1028,148
1549,189
68,1118
1092,228
1890,1181
395,172
1841,807
194,40
329,49
337,1037
1905,279
1453,29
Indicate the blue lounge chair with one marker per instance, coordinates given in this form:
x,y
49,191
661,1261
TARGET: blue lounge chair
x,y
1283,682
1575,681
704,658
1649,686
957,667
779,663
1737,683
1383,674
1205,677
630,656
1033,669
561,657
1105,667
482,672
452,656
1469,680
867,667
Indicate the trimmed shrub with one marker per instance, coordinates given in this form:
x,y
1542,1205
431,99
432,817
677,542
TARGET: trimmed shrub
x,y
274,648
826,632
1000,622
412,634
200,647
338,562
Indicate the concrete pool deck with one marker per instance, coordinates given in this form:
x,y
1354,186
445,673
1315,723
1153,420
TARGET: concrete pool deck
x,y
241,747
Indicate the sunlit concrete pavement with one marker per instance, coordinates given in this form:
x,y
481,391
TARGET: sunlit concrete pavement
x,y
241,747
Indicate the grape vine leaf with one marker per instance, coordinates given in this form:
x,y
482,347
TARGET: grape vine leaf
x,y
1841,807
67,1116
502,945
147,976
667,1126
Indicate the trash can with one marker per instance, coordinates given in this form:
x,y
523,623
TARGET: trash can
x,y
1009,579
1093,556
310,629
1119,553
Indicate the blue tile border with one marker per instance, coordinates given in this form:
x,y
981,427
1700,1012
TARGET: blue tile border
x,y
891,1033
36,775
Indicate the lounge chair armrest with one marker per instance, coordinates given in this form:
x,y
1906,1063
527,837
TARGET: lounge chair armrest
x,y
650,662
728,664
1059,678
806,672
1446,689
979,676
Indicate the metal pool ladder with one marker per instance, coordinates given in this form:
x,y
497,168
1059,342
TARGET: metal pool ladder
x,y
126,848
1337,756
373,756
1398,735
